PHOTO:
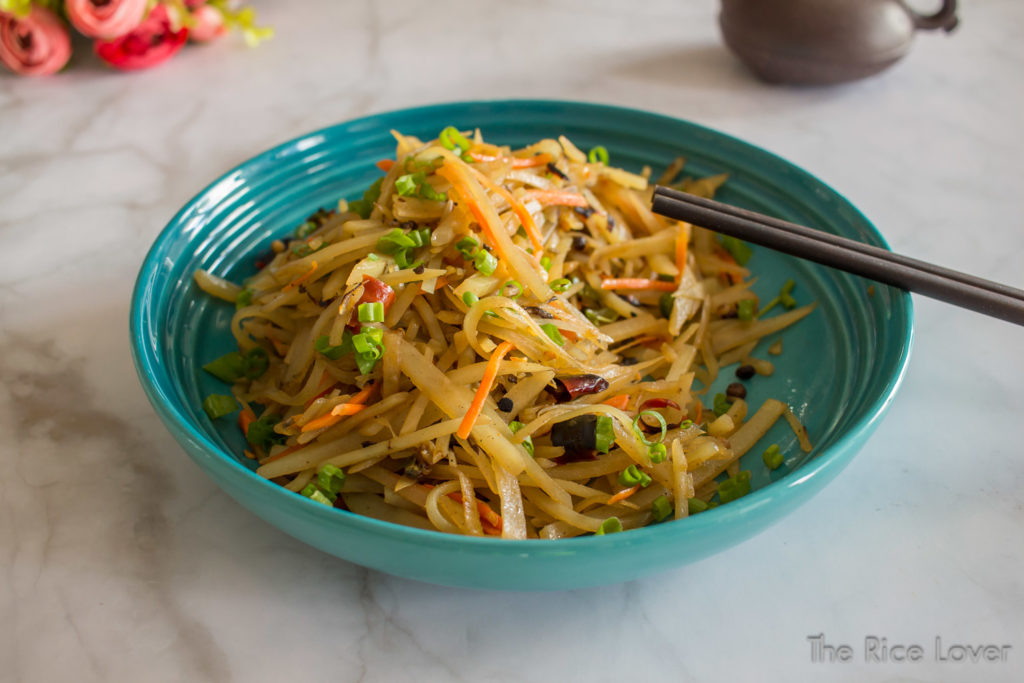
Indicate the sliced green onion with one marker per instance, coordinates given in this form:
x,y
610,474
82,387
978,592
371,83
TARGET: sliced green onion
x,y
403,262
323,346
657,452
661,421
485,262
219,405
515,286
772,457
738,249
611,525
665,304
545,262
552,332
469,298
256,363
374,333
466,246
665,277
600,316
313,493
561,284
261,432
427,191
405,185
450,138
368,347
373,257
633,475
230,367
696,505
598,154
394,241
244,298
661,509
734,487
420,237
371,312
745,309
364,206
604,433
514,426
721,405
685,424
330,478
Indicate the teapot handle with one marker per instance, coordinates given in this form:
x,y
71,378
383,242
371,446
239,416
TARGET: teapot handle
x,y
945,18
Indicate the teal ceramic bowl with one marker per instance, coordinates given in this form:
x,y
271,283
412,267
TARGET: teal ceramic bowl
x,y
839,370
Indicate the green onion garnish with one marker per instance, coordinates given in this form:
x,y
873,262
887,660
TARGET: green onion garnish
x,y
427,191
545,262
772,457
466,246
244,298
230,367
406,184
721,405
256,362
515,286
450,138
665,304
330,478
219,405
561,284
696,505
323,346
734,487
515,426
313,493
665,277
553,334
657,452
639,432
394,241
368,348
598,154
364,206
371,312
745,309
611,525
604,433
485,261
661,509
469,298
600,316
261,432
633,475
737,248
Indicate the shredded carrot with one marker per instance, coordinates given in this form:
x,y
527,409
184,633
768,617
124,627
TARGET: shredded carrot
x,y
638,283
529,226
385,164
487,515
302,278
486,383
681,247
490,530
346,409
326,384
556,197
322,422
280,455
363,394
246,418
620,401
279,346
623,495
515,162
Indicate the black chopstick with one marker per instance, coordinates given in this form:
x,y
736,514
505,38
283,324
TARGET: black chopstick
x,y
967,291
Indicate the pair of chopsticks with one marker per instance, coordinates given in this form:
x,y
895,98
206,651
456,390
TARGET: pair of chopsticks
x,y
960,289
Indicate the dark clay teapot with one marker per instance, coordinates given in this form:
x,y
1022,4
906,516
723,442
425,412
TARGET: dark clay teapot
x,y
824,41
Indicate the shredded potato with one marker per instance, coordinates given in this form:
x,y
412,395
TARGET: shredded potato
x,y
500,342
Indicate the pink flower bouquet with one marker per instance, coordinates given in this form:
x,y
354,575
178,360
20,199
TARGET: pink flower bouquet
x,y
35,35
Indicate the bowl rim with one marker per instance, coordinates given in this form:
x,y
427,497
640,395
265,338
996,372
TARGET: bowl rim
x,y
823,464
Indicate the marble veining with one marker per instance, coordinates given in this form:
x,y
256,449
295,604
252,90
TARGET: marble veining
x,y
120,561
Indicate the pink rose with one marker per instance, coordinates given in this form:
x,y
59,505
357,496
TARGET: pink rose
x,y
154,41
209,24
36,45
105,18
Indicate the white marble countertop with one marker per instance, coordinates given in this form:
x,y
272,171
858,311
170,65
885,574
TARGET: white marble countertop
x,y
120,560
